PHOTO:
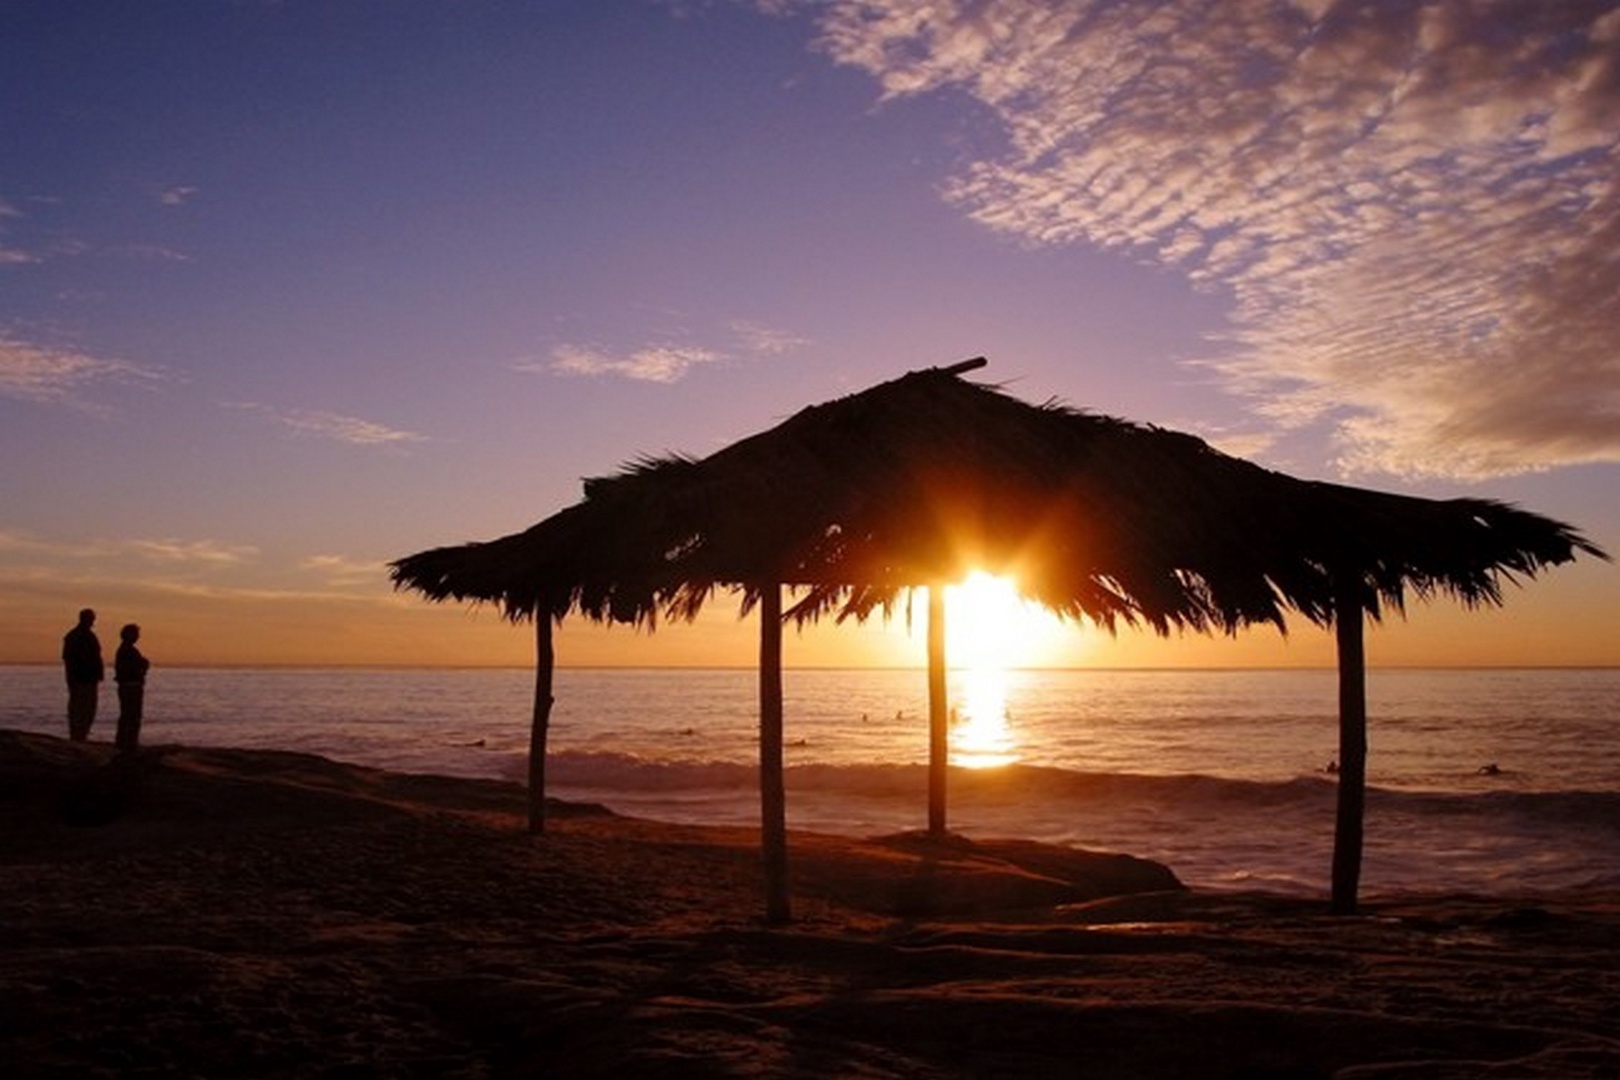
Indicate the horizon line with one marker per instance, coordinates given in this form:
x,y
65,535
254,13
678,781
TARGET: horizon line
x,y
385,666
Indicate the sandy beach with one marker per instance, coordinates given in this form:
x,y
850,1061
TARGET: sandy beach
x,y
223,913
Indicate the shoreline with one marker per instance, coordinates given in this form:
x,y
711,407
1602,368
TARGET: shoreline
x,y
265,912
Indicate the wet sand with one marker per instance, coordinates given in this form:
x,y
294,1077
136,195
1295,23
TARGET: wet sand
x,y
241,913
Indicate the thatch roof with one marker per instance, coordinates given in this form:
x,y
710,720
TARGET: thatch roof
x,y
920,480
579,559
926,477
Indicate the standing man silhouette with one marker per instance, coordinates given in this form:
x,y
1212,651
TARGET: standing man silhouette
x,y
130,668
81,662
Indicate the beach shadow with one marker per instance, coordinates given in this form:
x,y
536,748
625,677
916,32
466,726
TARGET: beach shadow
x,y
97,795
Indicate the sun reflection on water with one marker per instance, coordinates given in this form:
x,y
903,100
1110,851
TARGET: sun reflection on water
x,y
982,735
990,630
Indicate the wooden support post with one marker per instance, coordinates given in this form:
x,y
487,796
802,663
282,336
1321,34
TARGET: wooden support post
x,y
938,711
772,782
545,662
1349,622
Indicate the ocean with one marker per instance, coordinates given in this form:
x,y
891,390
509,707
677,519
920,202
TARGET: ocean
x,y
1501,782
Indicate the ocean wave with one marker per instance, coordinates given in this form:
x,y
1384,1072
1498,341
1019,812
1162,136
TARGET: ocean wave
x,y
1210,830
1036,784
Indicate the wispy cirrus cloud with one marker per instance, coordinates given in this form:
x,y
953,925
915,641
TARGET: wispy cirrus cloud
x,y
10,256
342,571
1416,207
13,256
148,252
199,553
194,552
349,429
653,363
330,425
59,247
764,340
107,567
43,373
136,591
665,362
16,542
122,575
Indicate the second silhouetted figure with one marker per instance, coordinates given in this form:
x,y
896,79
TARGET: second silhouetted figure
x,y
129,668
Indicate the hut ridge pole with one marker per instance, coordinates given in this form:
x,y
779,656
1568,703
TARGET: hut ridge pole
x,y
545,663
1349,631
772,785
938,711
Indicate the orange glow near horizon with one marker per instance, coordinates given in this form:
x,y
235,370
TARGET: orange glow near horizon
x,y
1563,621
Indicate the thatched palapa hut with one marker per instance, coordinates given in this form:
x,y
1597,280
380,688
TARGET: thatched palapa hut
x,y
916,482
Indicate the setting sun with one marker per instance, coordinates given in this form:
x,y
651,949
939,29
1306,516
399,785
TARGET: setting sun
x,y
990,626
989,630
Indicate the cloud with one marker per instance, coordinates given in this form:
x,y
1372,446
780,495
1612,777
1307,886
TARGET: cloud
x,y
196,552
154,252
340,571
201,554
664,363
10,256
15,542
1415,208
765,340
41,373
349,429
124,591
178,195
655,363
330,425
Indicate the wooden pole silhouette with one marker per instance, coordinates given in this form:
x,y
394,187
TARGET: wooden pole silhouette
x,y
772,783
544,666
1348,623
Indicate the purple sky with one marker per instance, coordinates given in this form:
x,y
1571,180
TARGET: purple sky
x,y
289,288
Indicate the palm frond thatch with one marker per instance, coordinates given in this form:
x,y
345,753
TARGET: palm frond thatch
x,y
926,477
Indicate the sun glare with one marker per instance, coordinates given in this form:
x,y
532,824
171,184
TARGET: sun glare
x,y
990,629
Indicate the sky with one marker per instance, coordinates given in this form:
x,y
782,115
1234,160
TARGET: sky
x,y
291,288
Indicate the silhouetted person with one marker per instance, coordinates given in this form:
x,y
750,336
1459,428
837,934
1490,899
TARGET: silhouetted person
x,y
81,662
129,668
